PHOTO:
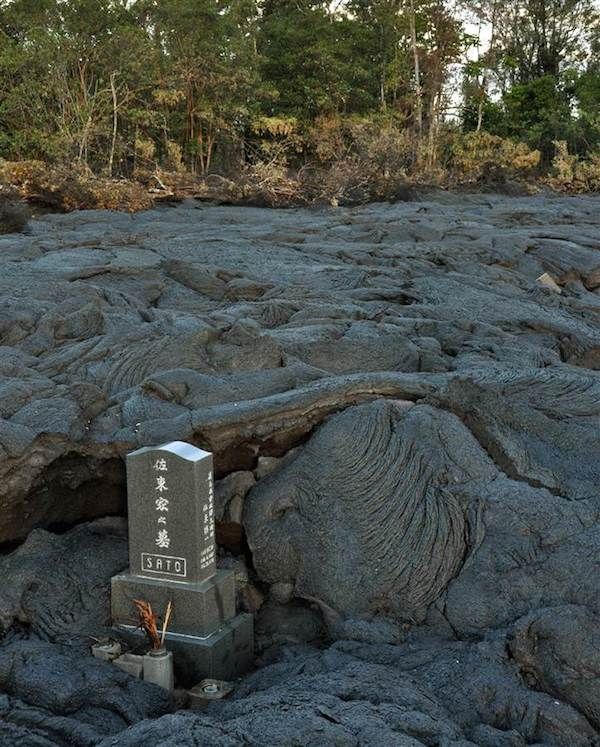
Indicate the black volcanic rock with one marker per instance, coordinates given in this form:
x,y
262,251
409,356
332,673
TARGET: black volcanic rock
x,y
405,421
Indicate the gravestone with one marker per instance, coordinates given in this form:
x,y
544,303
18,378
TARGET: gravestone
x,y
172,558
170,497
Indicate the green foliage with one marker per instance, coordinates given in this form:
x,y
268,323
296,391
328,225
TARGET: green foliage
x,y
541,68
262,87
493,115
538,112
83,80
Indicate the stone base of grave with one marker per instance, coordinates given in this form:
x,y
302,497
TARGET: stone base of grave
x,y
198,609
226,654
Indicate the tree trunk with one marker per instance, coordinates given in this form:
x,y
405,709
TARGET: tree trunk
x,y
84,107
434,126
200,155
135,149
417,69
113,143
209,151
83,142
383,65
190,134
484,79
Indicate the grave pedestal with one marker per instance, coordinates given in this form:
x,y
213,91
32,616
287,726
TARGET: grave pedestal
x,y
198,609
172,559
225,655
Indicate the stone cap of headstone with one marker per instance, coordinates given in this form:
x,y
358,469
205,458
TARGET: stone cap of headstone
x,y
179,448
170,499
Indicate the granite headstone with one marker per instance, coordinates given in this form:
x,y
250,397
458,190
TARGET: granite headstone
x,y
172,555
170,497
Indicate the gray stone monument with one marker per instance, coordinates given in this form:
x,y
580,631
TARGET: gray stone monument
x,y
172,557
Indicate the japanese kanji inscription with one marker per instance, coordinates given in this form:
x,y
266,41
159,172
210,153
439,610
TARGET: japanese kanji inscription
x,y
171,512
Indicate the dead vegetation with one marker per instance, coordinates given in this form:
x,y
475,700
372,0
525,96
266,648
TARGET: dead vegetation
x,y
14,215
66,189
479,158
338,162
148,622
572,174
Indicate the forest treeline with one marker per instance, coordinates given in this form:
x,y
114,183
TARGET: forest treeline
x,y
339,100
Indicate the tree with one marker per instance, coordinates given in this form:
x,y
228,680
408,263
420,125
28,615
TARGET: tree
x,y
535,51
70,68
208,63
309,62
413,44
541,37
485,13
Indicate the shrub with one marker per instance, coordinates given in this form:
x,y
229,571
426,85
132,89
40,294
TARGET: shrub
x,y
270,185
120,195
358,160
14,215
478,157
174,157
571,174
589,171
71,189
